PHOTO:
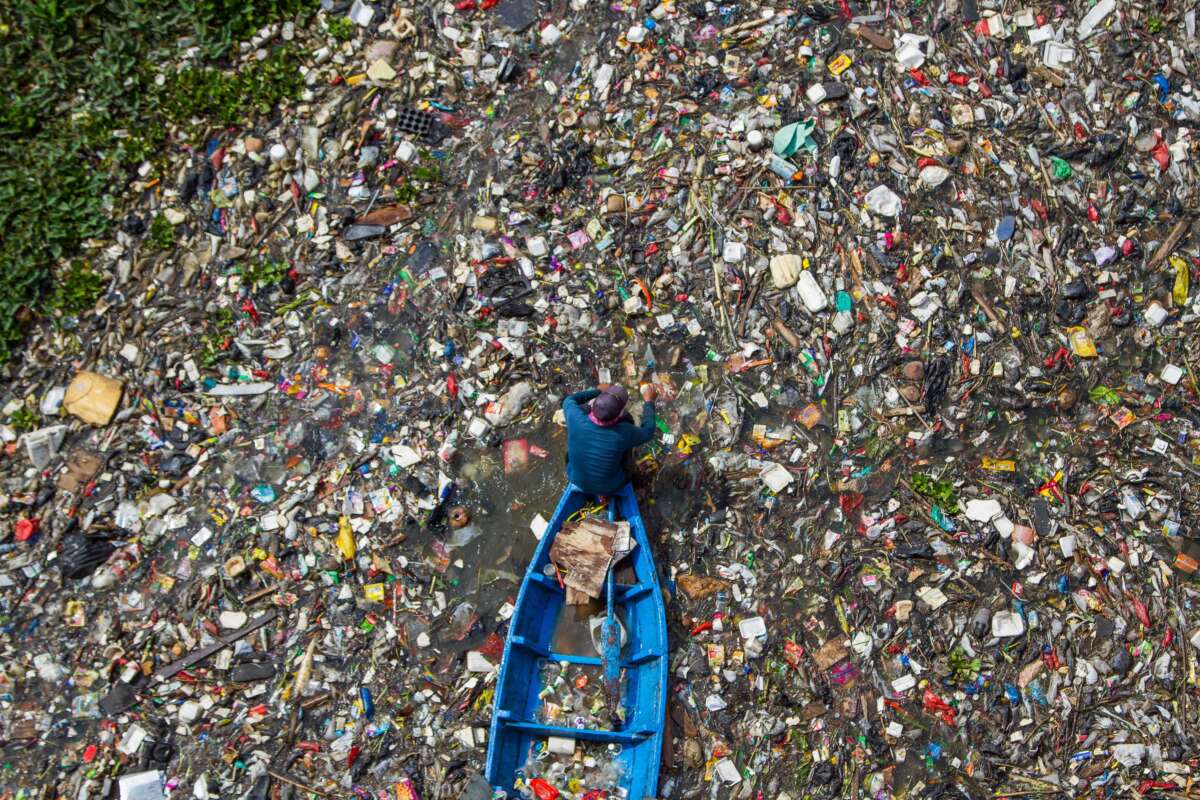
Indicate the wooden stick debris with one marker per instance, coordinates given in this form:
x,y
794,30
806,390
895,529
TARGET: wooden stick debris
x,y
285,779
197,656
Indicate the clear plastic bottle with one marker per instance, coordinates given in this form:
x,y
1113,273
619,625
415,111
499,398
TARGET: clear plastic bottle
x,y
449,447
114,570
608,774
128,516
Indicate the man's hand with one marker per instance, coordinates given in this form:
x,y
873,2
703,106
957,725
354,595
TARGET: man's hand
x,y
603,386
649,392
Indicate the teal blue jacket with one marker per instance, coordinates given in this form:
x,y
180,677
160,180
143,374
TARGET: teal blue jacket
x,y
594,453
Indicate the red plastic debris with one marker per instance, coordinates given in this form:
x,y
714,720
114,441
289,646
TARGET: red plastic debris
x,y
26,528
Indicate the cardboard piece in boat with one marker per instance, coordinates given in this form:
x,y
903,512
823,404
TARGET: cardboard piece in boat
x,y
585,550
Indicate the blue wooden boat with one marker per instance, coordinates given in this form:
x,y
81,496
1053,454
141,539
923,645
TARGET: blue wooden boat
x,y
515,728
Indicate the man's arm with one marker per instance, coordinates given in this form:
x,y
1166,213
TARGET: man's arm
x,y
573,404
644,432
579,398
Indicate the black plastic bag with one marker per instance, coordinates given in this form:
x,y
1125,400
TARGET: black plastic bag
x,y
80,555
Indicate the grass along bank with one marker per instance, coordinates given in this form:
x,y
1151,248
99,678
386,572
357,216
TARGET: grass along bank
x,y
92,92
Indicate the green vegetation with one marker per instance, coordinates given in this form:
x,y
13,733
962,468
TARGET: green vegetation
x,y
161,234
963,669
23,419
264,272
212,95
427,172
215,339
941,492
76,289
82,109
340,28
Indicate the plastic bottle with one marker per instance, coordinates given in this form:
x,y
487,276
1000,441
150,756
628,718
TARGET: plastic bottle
x,y
1132,504
543,790
345,539
127,516
449,447
461,537
811,292
118,565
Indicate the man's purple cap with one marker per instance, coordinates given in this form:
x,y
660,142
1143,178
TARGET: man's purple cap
x,y
608,406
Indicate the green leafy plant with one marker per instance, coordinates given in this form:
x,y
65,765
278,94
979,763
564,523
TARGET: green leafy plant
x,y
213,341
407,193
431,173
963,669
340,28
940,491
161,234
264,272
76,289
204,93
23,419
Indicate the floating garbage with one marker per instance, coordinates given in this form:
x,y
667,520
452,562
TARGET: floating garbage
x,y
912,285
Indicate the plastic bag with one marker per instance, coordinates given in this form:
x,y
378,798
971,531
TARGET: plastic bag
x,y
81,555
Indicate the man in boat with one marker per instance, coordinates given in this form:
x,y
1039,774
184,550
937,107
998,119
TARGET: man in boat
x,y
600,439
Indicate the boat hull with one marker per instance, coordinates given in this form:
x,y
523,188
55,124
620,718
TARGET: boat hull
x,y
637,742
